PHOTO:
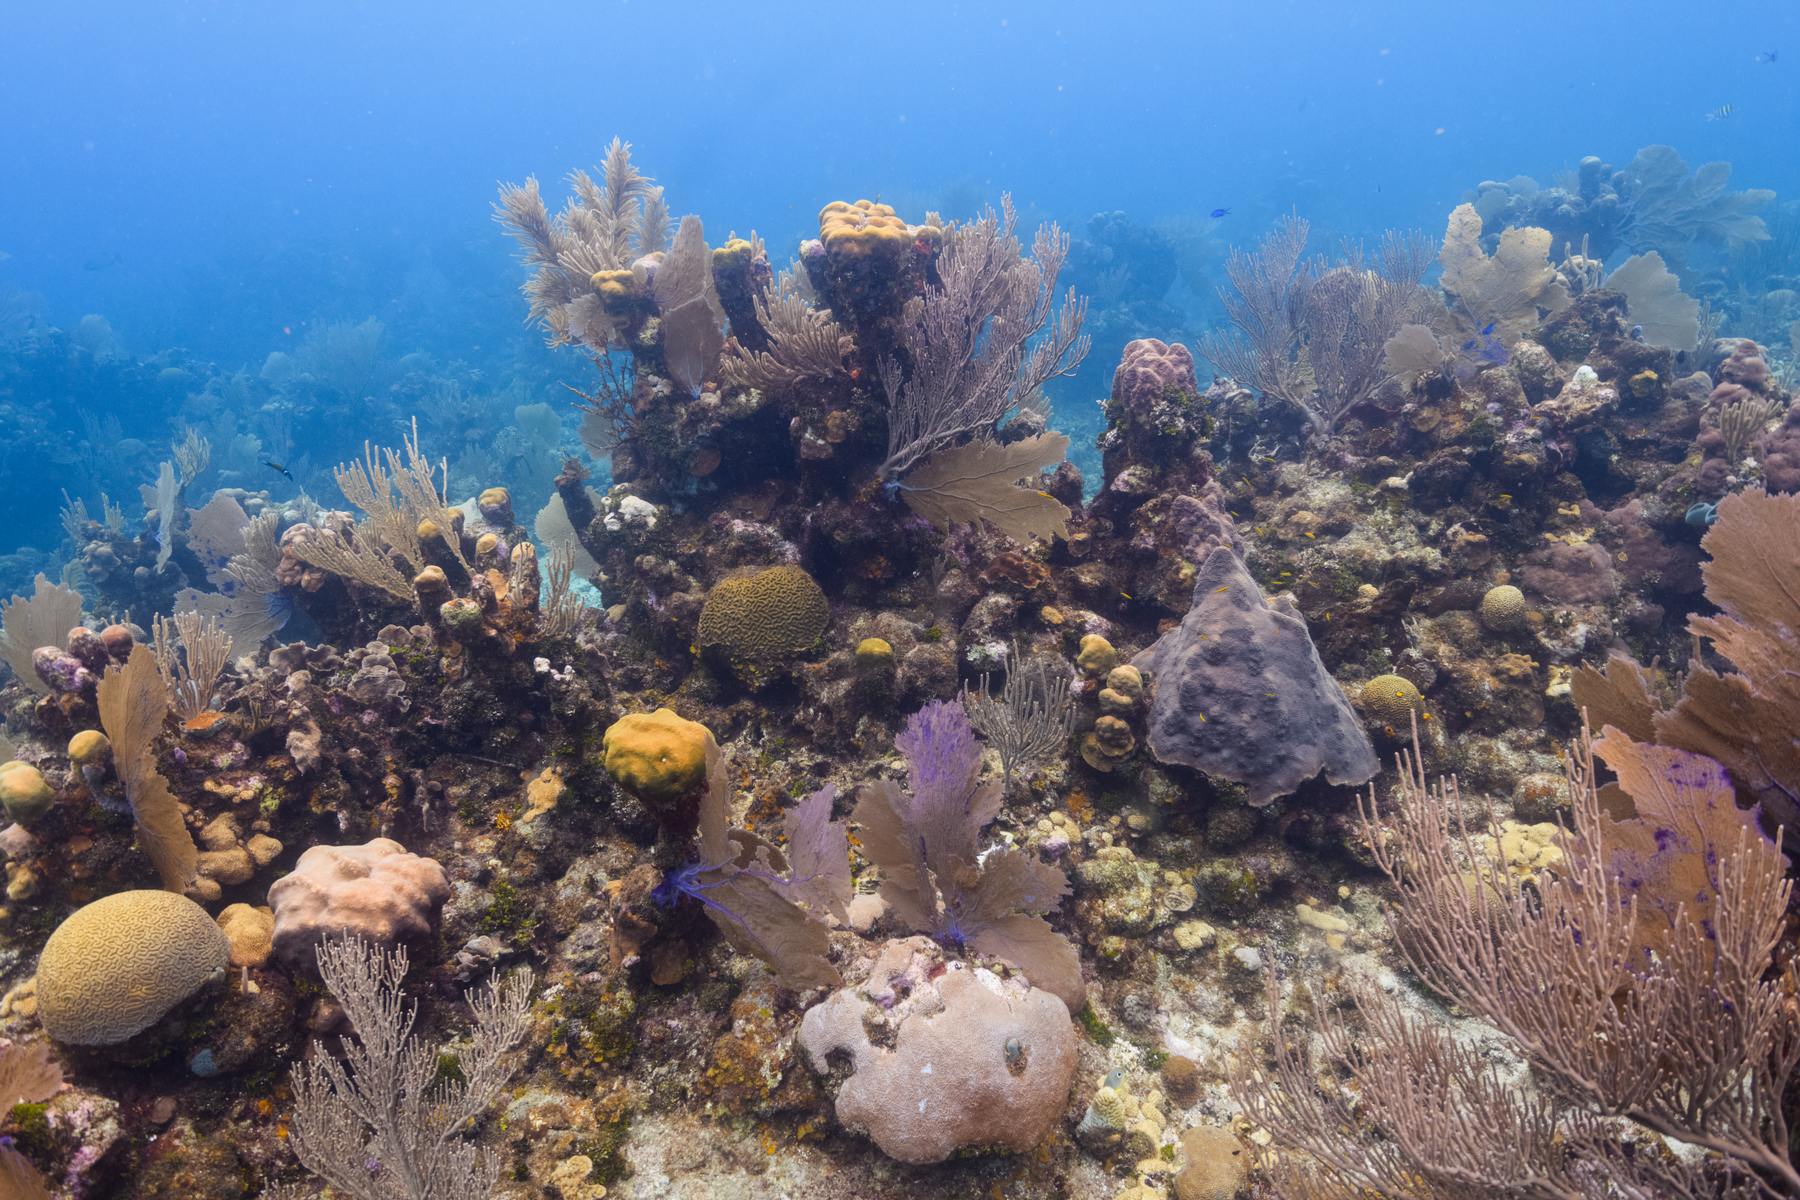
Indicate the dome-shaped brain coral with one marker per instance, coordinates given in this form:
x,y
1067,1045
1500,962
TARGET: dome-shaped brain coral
x,y
1503,608
764,620
657,757
117,965
1388,699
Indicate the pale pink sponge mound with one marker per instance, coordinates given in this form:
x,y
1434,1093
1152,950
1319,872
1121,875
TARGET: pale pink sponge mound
x,y
377,891
975,1059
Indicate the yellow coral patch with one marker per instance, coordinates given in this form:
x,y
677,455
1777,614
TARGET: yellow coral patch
x,y
657,757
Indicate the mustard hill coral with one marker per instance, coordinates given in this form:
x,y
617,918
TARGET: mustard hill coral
x,y
657,757
116,966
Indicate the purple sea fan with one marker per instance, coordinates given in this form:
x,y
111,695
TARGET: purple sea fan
x,y
943,758
754,893
934,873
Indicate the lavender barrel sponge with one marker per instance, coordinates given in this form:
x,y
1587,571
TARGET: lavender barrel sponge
x,y
1241,693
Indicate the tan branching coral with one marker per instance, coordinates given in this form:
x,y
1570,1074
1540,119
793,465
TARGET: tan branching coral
x,y
1313,334
597,231
1742,421
974,343
563,612
390,526
192,456
191,674
803,342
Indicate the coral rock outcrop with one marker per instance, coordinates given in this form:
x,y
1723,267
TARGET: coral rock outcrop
x,y
377,891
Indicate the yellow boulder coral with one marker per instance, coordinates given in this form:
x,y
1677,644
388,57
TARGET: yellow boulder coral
x,y
657,757
862,228
874,653
24,793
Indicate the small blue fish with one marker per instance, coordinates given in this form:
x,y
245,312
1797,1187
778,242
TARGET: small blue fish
x,y
1489,329
1471,344
1719,113
279,470
1218,212
1768,57
1637,333
1703,514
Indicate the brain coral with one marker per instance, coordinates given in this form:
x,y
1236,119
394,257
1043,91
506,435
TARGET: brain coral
x,y
1389,699
377,891
766,619
1503,608
117,965
657,757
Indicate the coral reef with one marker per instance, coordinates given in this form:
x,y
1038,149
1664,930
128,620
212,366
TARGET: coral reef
x,y
845,790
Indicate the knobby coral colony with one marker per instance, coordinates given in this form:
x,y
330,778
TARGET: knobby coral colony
x,y
739,828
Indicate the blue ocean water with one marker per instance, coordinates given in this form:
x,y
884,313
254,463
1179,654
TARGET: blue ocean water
x,y
198,185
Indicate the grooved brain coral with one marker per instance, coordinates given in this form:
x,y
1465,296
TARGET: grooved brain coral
x,y
1389,699
117,965
1503,608
765,619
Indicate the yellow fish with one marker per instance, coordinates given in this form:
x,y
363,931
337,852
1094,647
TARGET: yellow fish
x,y
1719,113
1226,588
